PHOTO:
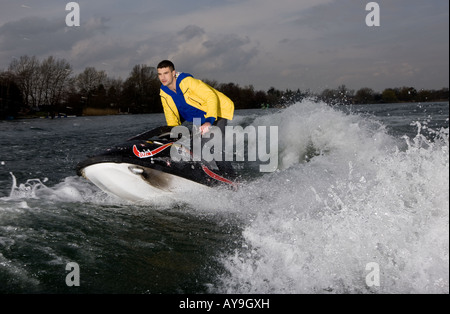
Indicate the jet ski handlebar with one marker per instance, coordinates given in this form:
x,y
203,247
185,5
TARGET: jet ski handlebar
x,y
159,132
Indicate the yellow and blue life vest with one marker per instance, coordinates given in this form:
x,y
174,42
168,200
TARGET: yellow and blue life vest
x,y
194,99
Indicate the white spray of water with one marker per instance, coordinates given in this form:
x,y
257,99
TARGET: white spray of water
x,y
71,189
317,225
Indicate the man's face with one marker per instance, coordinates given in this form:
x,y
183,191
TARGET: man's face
x,y
166,76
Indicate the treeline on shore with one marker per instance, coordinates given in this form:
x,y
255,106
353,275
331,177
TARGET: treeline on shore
x,y
31,87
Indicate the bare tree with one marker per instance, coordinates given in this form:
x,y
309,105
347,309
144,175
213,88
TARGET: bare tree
x,y
90,79
54,79
25,69
42,83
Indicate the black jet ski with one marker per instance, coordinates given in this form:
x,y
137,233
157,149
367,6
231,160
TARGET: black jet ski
x,y
142,168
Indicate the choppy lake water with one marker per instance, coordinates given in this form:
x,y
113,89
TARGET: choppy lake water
x,y
364,185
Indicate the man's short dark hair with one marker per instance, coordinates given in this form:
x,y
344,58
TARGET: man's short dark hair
x,y
166,64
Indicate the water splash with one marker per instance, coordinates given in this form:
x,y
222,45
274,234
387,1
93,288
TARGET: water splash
x,y
27,189
71,189
366,198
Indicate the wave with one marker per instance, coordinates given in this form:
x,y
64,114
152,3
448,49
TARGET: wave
x,y
365,198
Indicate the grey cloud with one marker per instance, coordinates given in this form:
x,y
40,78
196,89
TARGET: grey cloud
x,y
286,44
340,48
28,33
216,53
225,43
231,50
191,31
40,36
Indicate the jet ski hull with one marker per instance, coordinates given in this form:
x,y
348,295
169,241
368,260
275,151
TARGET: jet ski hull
x,y
136,183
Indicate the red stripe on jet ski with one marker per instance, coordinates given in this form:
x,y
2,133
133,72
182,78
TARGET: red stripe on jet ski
x,y
151,153
217,177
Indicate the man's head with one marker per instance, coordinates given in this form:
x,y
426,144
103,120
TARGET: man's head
x,y
166,73
166,64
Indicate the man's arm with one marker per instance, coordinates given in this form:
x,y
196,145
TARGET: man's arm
x,y
209,97
171,118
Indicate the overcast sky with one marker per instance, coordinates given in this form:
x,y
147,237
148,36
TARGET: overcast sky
x,y
306,44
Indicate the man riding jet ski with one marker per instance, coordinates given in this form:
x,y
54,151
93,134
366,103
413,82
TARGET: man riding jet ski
x,y
183,98
142,168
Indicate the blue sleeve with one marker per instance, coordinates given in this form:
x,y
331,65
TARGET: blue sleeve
x,y
210,120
